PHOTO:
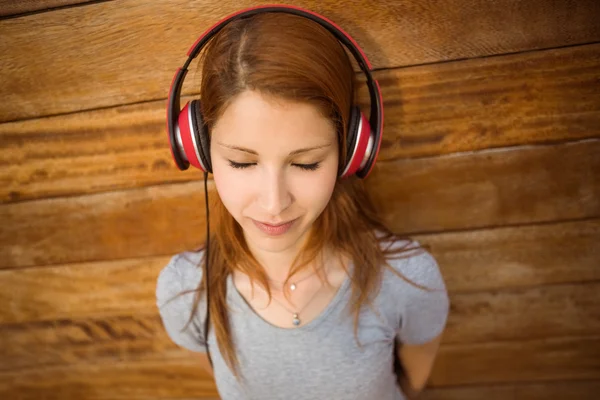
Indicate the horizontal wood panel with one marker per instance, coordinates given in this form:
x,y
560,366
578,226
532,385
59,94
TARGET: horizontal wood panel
x,y
518,361
513,257
482,261
135,223
12,8
461,192
85,340
489,188
565,390
164,377
539,97
543,362
531,313
527,314
77,291
132,48
501,260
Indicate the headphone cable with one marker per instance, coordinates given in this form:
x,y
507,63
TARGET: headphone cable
x,y
207,319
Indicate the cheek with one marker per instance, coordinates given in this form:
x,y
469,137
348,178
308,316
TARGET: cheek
x,y
315,191
230,188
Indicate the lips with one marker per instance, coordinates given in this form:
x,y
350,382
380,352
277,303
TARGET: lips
x,y
274,229
274,225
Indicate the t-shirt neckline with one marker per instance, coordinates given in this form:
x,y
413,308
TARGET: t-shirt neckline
x,y
239,299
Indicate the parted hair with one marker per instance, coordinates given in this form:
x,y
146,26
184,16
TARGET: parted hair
x,y
295,59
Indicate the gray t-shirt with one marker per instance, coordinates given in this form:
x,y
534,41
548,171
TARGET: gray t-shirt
x,y
319,360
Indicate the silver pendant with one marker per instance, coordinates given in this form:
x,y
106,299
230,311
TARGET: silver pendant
x,y
296,321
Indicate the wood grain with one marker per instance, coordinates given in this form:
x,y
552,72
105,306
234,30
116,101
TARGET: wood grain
x,y
518,361
516,257
490,157
532,98
526,313
472,262
542,313
178,375
15,8
501,260
490,188
161,378
132,48
461,192
141,222
565,390
85,340
78,291
82,313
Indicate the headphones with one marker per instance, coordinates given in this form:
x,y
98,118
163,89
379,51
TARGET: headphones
x,y
188,134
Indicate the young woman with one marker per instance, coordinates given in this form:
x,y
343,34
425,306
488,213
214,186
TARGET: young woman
x,y
311,295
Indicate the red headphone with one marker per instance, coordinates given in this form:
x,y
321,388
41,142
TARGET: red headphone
x,y
188,134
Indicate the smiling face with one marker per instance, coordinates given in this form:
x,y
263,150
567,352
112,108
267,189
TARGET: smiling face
x,y
274,162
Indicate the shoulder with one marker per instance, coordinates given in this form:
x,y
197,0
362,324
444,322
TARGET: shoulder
x,y
414,270
175,295
182,272
416,288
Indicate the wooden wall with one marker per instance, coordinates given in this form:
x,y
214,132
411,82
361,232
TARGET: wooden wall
x,y
491,156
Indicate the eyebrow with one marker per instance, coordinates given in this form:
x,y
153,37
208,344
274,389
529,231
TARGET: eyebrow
x,y
292,153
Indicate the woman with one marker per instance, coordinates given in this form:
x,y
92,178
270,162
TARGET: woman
x,y
311,295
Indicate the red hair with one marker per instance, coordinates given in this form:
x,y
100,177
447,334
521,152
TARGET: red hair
x,y
295,59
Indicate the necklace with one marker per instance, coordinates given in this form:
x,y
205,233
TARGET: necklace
x,y
293,285
296,319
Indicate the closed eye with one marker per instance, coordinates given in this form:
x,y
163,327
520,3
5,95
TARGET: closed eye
x,y
240,165
305,167
308,167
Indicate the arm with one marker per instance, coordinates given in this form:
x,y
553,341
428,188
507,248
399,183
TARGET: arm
x,y
417,362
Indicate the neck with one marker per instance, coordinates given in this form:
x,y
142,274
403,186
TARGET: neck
x,y
277,265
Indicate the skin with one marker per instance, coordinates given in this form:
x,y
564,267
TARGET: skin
x,y
417,362
277,185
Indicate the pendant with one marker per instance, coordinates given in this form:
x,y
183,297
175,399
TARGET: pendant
x,y
296,321
293,286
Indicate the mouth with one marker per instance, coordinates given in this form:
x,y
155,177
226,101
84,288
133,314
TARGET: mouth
x,y
274,229
275,225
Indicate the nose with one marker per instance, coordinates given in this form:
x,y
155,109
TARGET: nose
x,y
274,195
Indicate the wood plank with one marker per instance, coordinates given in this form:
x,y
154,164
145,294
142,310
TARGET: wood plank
x,y
502,260
461,192
519,361
132,49
564,390
489,188
79,291
15,8
532,362
518,314
84,340
491,102
131,334
136,223
570,390
514,257
531,98
162,378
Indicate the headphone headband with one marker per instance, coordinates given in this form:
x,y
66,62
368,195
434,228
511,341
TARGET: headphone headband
x,y
376,115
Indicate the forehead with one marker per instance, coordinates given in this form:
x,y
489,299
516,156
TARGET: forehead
x,y
263,122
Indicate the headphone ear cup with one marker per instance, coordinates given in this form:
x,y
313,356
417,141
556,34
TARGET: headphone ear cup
x,y
201,135
359,134
351,139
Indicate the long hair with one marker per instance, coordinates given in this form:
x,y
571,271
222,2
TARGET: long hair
x,y
295,59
